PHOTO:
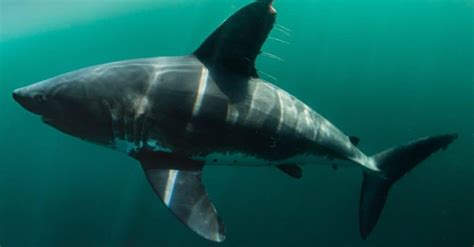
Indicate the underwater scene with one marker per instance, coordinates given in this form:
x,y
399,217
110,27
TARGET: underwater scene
x,y
237,123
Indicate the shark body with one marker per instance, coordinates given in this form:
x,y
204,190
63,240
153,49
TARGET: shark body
x,y
177,114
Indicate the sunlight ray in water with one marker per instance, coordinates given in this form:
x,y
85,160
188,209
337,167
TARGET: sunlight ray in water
x,y
268,75
279,40
286,33
272,56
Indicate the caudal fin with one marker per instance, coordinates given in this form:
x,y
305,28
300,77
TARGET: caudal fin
x,y
393,163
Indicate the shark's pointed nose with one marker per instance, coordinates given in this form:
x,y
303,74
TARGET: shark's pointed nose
x,y
21,96
17,95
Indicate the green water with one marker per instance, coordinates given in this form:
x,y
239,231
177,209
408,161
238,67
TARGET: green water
x,y
388,71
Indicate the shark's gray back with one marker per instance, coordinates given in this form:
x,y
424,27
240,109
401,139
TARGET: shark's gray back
x,y
177,104
197,112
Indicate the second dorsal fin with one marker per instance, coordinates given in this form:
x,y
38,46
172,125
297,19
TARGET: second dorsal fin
x,y
354,140
235,45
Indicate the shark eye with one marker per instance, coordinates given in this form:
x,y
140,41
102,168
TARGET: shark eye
x,y
40,99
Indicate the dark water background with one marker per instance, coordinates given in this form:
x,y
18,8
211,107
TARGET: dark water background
x,y
387,71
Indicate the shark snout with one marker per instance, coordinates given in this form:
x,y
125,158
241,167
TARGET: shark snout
x,y
28,100
20,97
16,94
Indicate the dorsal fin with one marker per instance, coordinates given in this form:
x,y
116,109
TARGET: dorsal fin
x,y
235,45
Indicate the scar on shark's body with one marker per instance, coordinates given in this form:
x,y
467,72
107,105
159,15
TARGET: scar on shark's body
x,y
177,114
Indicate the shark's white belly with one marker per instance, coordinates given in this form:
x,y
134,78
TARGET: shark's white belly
x,y
240,159
129,147
227,159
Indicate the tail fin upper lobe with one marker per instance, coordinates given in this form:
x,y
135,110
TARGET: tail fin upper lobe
x,y
393,163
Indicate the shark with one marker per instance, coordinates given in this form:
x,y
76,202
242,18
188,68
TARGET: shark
x,y
175,115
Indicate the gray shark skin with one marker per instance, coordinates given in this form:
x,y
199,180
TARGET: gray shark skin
x,y
177,114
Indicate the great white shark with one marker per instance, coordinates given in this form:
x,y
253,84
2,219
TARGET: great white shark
x,y
177,114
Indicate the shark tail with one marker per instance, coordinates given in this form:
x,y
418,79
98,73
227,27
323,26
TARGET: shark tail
x,y
393,163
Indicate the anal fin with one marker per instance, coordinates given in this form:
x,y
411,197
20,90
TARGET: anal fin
x,y
182,191
293,171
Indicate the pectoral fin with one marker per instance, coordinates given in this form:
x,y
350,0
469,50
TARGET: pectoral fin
x,y
182,191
